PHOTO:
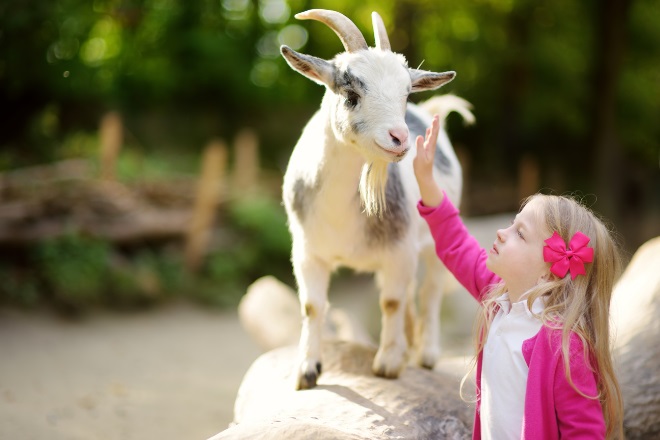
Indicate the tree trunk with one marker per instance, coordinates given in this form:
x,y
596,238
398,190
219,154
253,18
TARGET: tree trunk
x,y
612,16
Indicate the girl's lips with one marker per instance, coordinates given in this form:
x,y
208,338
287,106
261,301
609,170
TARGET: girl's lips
x,y
494,249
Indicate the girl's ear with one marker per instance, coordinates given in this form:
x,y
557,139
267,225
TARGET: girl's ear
x,y
545,277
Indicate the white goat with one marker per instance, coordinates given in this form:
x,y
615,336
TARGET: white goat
x,y
350,192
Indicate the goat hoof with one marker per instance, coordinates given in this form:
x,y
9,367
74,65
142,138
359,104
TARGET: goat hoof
x,y
388,364
383,372
308,377
429,365
428,359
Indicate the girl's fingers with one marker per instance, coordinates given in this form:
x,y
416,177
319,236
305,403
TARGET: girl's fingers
x,y
426,145
419,143
432,137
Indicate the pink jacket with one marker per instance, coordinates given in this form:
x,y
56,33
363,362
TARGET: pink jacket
x,y
553,409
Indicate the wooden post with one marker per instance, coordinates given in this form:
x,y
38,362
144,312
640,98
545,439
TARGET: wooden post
x,y
111,137
209,191
246,161
529,179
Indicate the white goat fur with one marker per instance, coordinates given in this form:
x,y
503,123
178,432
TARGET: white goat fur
x,y
340,213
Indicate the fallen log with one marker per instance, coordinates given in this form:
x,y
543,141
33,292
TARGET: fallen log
x,y
46,175
46,202
349,402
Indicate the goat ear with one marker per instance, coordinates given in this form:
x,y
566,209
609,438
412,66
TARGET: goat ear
x,y
316,69
423,80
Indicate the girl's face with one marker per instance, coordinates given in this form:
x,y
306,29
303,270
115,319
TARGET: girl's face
x,y
517,254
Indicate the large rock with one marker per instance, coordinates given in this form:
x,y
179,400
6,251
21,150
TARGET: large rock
x,y
349,402
270,313
636,323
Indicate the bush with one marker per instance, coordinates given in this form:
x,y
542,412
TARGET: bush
x,y
18,287
261,245
74,268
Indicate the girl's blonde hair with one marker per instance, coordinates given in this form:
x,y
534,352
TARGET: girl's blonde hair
x,y
581,305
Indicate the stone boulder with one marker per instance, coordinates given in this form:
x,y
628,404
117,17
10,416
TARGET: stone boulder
x,y
636,327
270,313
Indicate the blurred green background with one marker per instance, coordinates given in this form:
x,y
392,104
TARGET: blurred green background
x,y
566,95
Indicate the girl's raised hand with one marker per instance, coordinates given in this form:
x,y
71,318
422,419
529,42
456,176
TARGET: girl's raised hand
x,y
423,165
423,162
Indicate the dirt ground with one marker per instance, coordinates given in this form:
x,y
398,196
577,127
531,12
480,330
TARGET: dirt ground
x,y
171,373
168,373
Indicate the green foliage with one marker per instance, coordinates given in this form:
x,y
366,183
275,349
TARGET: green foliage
x,y
75,268
203,69
134,165
260,245
263,220
640,84
226,278
18,287
146,277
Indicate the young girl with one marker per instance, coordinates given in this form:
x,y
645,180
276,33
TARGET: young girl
x,y
544,368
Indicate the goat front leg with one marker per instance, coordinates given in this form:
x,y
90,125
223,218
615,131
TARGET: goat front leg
x,y
394,283
313,278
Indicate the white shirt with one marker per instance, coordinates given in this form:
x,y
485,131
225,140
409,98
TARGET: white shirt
x,y
504,370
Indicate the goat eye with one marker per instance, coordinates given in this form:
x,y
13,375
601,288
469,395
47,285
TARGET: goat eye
x,y
352,99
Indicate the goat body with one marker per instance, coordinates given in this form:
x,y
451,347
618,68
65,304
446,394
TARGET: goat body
x,y
350,193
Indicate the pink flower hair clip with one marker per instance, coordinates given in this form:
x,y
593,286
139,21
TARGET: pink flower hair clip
x,y
572,258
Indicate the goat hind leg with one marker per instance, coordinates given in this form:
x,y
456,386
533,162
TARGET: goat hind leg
x,y
428,319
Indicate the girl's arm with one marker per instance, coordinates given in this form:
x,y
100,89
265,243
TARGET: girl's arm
x,y
457,249
578,416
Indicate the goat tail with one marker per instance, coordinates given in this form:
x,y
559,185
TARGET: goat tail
x,y
442,105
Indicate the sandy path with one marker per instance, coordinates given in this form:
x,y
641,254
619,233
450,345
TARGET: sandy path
x,y
170,373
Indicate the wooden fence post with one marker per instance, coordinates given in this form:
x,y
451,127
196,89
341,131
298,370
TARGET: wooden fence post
x,y
209,191
246,161
111,138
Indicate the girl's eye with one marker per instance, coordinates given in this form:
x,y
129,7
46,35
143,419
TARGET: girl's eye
x,y
517,230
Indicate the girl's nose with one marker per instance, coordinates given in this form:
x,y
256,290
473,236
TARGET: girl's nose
x,y
500,235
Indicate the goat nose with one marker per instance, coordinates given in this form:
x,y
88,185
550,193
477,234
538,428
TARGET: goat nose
x,y
399,136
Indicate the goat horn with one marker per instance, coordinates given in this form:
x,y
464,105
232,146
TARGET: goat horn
x,y
346,30
382,41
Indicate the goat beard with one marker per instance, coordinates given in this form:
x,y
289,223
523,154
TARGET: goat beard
x,y
373,181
